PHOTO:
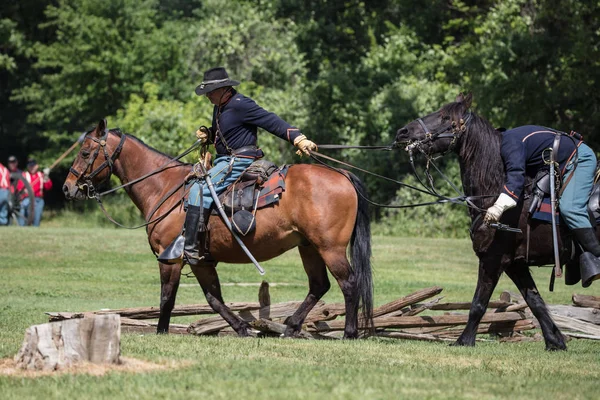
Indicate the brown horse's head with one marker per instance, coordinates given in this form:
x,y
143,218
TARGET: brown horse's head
x,y
92,166
437,132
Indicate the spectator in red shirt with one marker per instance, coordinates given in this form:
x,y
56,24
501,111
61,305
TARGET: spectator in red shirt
x,y
4,194
40,182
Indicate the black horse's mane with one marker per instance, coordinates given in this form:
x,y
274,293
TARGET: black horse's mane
x,y
479,152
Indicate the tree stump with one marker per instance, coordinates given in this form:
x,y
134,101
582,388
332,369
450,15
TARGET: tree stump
x,y
59,345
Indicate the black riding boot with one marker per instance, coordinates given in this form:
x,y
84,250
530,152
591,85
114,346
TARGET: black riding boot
x,y
194,224
191,245
590,266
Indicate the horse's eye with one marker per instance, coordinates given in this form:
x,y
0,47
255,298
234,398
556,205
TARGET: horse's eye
x,y
85,154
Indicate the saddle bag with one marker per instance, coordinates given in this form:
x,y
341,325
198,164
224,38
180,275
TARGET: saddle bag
x,y
541,189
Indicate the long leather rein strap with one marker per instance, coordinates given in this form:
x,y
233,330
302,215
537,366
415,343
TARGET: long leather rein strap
x,y
154,209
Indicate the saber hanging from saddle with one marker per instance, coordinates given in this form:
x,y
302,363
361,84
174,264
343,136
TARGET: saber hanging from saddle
x,y
219,206
553,200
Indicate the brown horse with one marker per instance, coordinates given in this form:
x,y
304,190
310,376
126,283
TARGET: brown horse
x,y
320,212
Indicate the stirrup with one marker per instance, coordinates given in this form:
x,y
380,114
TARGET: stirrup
x,y
174,252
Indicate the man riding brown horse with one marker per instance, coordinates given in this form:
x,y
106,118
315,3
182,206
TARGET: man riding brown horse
x,y
234,134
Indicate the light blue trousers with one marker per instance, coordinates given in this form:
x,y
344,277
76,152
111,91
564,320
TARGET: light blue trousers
x,y
574,200
38,208
4,193
220,176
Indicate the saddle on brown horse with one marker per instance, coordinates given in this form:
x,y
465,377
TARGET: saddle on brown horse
x,y
259,186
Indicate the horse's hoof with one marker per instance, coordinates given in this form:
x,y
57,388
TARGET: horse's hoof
x,y
460,343
556,347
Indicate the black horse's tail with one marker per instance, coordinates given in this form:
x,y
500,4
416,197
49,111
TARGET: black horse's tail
x,y
360,253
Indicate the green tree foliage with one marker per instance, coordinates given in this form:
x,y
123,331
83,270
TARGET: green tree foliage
x,y
348,72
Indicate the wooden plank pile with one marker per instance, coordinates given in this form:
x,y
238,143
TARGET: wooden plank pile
x,y
418,316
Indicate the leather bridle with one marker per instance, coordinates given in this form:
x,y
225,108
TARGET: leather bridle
x,y
84,179
451,130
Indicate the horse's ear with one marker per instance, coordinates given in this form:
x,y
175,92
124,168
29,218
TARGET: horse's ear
x,y
100,128
460,98
467,100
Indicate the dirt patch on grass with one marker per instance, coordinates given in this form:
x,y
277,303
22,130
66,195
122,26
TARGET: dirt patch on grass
x,y
8,367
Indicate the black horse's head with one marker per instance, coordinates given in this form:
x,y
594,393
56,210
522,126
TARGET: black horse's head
x,y
439,132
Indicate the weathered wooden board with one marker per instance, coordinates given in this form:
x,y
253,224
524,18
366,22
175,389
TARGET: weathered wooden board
x,y
419,321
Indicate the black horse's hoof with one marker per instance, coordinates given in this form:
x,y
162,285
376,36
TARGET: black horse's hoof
x,y
460,343
556,347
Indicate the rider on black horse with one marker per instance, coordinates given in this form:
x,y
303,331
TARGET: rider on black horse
x,y
522,153
233,132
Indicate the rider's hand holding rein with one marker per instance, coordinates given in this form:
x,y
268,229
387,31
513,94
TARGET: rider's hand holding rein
x,y
503,203
203,134
304,145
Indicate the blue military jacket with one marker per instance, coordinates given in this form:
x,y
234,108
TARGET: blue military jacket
x,y
522,149
238,121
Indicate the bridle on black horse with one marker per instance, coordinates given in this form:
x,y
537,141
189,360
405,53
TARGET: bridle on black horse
x,y
84,181
452,129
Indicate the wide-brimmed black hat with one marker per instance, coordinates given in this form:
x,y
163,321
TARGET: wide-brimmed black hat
x,y
214,78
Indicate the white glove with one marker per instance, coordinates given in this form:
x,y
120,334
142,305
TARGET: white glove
x,y
46,171
503,203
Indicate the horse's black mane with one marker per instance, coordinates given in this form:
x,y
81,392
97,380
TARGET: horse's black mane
x,y
479,152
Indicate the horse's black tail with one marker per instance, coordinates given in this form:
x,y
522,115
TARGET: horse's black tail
x,y
360,253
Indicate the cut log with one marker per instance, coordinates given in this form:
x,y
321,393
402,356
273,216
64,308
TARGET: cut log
x,y
129,325
326,312
497,327
588,314
416,308
467,306
264,325
583,300
410,336
515,307
59,345
572,324
214,324
264,299
582,336
154,312
412,298
419,321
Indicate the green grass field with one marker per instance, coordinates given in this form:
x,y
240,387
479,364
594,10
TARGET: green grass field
x,y
68,269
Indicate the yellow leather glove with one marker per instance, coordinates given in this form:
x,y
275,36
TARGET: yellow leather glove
x,y
304,145
202,134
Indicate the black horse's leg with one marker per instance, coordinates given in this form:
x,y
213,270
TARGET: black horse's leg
x,y
340,269
169,283
206,274
489,274
521,276
318,285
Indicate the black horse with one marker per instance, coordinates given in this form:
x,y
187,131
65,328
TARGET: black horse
x,y
457,128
